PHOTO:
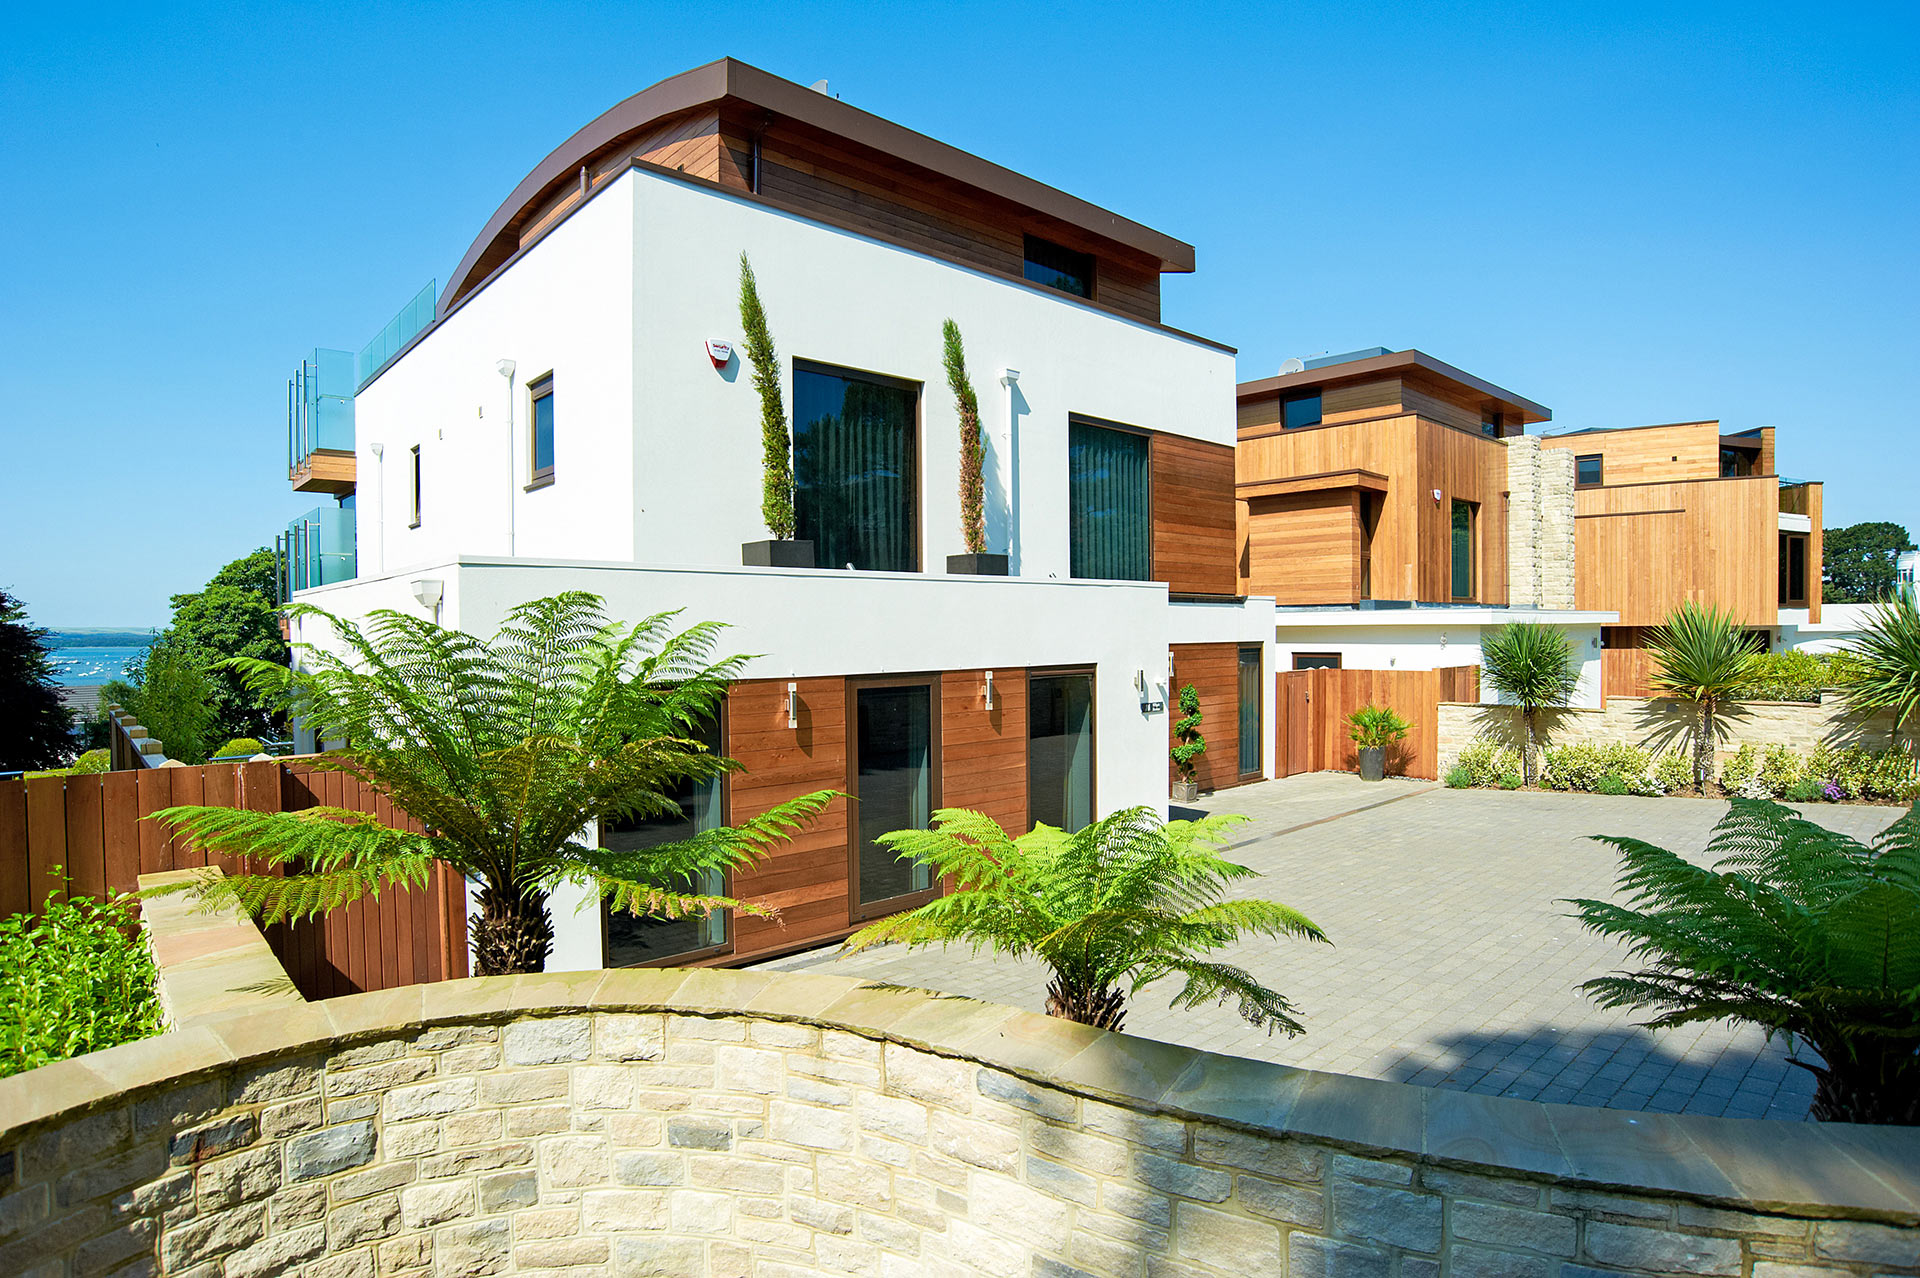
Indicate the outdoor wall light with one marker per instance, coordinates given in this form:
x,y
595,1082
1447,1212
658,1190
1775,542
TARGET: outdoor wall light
x,y
793,705
989,689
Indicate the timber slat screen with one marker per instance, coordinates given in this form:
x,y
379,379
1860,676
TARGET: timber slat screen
x,y
93,830
1311,709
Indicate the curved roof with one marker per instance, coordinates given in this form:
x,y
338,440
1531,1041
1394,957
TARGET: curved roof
x,y
730,81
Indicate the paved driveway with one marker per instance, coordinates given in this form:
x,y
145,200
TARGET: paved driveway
x,y
1453,962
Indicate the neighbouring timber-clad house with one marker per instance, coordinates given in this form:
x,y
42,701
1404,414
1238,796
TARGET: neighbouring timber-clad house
x,y
572,413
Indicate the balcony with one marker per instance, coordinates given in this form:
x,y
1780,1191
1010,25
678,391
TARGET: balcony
x,y
320,424
317,549
400,330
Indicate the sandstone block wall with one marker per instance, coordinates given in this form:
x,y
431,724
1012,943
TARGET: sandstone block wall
x,y
666,1123
1539,524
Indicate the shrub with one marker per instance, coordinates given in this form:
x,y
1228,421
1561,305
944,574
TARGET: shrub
x,y
1672,771
1376,727
1806,790
1612,783
242,747
76,979
1743,767
1785,676
1459,777
92,762
1188,743
1781,769
1864,774
1484,763
1581,767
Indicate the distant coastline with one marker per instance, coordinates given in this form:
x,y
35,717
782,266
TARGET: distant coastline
x,y
87,658
84,637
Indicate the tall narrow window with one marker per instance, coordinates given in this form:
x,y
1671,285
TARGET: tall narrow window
x,y
1589,471
1058,267
634,941
413,518
1252,697
1369,523
540,429
1300,410
1060,750
891,777
1793,570
855,472
1109,520
1465,516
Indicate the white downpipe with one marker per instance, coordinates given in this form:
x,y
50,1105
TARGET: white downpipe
x,y
1010,379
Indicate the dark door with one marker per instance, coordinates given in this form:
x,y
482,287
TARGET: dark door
x,y
893,776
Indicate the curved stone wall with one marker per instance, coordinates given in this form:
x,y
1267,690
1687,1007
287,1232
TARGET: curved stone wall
x,y
723,1123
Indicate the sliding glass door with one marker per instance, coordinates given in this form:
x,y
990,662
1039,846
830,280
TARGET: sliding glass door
x,y
1060,749
635,941
855,469
892,775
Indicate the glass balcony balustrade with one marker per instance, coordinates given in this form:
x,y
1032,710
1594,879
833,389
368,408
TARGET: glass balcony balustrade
x,y
317,549
320,424
400,330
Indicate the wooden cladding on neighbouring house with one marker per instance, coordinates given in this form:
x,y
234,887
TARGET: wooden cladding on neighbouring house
x,y
1663,454
1643,549
1193,515
1214,671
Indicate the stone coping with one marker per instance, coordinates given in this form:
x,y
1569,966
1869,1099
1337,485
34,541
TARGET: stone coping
x,y
1828,1171
210,960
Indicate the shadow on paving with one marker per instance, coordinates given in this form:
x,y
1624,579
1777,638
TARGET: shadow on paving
x,y
1630,1068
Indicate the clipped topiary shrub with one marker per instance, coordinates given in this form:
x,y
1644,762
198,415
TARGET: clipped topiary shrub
x,y
1581,767
1672,771
240,747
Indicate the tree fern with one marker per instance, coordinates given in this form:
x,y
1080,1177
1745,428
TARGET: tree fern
x,y
1797,929
1111,909
505,750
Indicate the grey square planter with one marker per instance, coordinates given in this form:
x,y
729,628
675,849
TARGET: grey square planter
x,y
977,565
777,554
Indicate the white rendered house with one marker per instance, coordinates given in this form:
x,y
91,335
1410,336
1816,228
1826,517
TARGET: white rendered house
x,y
576,414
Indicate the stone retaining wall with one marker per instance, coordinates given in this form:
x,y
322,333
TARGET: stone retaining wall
x,y
1661,724
726,1123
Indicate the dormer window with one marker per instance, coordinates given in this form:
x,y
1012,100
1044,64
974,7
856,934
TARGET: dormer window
x,y
1300,410
1058,267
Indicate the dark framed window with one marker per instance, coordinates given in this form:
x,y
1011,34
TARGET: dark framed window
x,y
1060,749
893,774
1316,661
1589,471
413,508
1492,423
856,441
636,941
1302,409
1057,266
540,429
1793,570
1466,515
1252,700
1736,462
1109,495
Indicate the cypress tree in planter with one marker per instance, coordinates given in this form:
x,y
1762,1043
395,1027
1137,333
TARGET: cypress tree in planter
x,y
776,493
976,562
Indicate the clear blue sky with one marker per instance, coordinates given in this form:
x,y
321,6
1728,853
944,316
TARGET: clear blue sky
x,y
1635,213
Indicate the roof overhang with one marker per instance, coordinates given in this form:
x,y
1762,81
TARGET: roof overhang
x,y
1399,364
729,81
1326,481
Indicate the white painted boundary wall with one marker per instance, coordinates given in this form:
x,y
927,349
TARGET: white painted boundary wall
x,y
1415,639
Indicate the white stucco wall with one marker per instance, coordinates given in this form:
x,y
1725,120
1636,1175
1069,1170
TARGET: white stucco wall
x,y
1428,647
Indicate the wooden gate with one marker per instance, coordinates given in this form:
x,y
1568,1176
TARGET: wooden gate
x,y
1311,709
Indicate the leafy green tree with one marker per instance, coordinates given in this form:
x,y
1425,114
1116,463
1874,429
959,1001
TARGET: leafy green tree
x,y
1795,928
1858,561
36,728
1532,666
235,615
1884,670
1109,910
505,749
776,445
1703,656
174,700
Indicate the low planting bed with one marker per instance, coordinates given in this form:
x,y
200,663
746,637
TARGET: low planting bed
x,y
1826,774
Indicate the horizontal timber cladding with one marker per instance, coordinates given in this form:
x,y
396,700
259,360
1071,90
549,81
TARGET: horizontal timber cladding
x,y
1214,671
1193,515
1654,454
1302,549
1643,549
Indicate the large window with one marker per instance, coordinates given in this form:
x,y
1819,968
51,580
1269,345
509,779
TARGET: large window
x,y
1737,462
1589,471
1060,749
1109,521
1300,410
891,776
633,941
1793,570
540,430
1252,698
1466,514
855,469
1058,267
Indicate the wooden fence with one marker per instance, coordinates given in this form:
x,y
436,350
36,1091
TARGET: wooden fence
x,y
1626,672
88,835
1311,709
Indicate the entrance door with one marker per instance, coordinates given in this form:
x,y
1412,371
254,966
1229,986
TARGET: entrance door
x,y
893,778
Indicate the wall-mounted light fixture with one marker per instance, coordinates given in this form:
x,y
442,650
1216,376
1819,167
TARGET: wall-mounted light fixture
x,y
793,705
989,689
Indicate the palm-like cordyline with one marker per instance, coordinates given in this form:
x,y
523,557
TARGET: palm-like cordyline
x,y
504,750
1703,656
1110,909
1885,672
1532,666
1796,929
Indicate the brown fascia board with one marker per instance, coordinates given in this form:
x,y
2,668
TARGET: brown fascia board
x,y
1400,363
727,80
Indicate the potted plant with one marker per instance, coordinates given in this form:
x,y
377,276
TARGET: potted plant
x,y
973,528
1188,745
776,489
1373,729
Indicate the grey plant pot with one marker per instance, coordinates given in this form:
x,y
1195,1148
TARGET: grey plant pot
x,y
1186,791
1373,763
777,554
982,565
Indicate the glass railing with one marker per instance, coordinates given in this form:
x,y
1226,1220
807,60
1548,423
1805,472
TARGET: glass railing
x,y
400,330
320,406
317,549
